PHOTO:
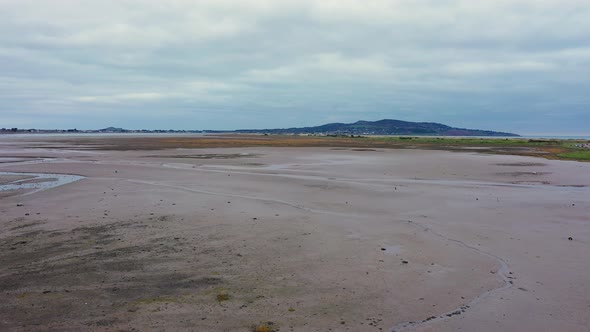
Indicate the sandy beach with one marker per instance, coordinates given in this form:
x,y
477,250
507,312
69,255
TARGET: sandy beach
x,y
291,239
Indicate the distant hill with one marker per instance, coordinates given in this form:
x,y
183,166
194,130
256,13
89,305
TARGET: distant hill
x,y
382,127
113,130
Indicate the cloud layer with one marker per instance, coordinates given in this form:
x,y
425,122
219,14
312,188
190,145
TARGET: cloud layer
x,y
508,65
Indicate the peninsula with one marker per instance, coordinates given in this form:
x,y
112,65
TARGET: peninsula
x,y
381,127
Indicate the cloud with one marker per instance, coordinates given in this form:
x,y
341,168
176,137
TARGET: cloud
x,y
331,66
269,63
141,96
498,67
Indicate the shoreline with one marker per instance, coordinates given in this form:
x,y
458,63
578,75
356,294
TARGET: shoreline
x,y
545,148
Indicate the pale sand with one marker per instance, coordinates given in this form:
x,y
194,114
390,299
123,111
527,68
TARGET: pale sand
x,y
295,236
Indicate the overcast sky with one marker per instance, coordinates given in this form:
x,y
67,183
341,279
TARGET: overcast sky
x,y
519,65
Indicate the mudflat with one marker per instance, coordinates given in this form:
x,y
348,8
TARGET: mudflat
x,y
266,238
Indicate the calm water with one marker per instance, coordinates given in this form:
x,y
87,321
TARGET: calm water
x,y
46,181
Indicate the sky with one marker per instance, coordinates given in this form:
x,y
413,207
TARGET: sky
x,y
521,65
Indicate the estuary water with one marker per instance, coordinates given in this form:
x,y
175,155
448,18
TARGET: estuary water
x,y
36,182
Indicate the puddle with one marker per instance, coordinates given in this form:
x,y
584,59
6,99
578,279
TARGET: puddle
x,y
36,182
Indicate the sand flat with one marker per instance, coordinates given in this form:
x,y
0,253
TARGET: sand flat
x,y
309,239
6,179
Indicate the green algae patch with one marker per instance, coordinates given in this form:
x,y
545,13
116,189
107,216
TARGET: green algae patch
x,y
222,296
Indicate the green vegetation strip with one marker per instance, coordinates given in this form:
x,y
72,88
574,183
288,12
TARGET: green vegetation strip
x,y
546,148
576,155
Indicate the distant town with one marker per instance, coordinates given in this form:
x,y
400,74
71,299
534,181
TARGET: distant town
x,y
112,130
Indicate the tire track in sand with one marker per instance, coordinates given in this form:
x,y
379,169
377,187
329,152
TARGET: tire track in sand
x,y
502,272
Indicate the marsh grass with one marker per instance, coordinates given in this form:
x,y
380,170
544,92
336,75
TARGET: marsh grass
x,y
575,155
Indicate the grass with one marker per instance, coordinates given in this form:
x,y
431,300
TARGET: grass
x,y
576,155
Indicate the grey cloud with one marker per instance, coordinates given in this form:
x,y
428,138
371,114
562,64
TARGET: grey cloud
x,y
507,65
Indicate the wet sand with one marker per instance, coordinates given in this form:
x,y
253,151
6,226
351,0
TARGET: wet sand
x,y
294,239
10,178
